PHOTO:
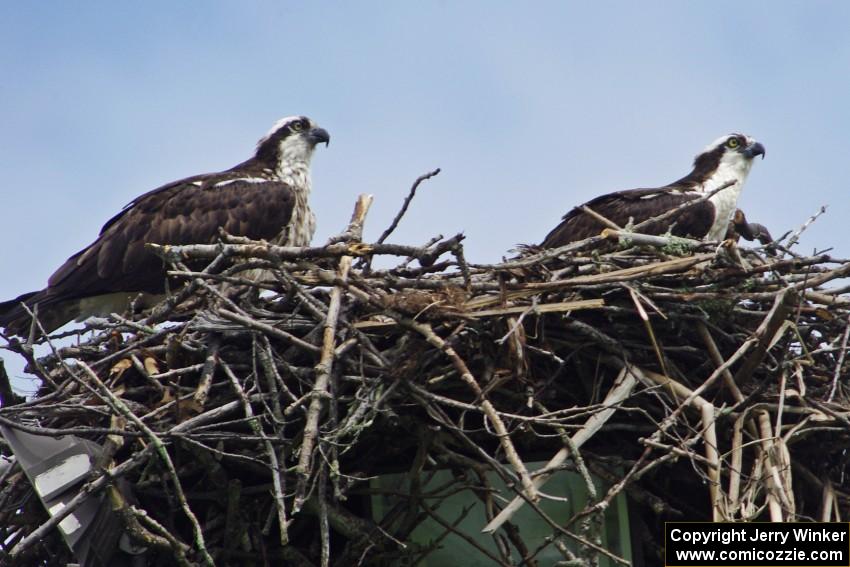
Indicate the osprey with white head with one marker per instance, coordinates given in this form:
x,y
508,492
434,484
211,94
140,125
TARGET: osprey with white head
x,y
265,197
726,163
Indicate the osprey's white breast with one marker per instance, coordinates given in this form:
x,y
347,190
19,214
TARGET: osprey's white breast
x,y
294,170
302,224
731,168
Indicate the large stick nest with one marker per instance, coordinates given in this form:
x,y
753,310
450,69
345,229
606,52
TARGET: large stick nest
x,y
252,418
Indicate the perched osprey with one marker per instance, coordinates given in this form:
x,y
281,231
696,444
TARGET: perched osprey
x,y
265,197
727,159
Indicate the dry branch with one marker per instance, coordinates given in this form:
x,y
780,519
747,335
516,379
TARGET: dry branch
x,y
620,391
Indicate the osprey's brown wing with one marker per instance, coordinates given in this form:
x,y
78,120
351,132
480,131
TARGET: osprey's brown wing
x,y
189,211
637,205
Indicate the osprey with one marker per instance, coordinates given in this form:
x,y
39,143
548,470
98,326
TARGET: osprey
x,y
726,161
265,197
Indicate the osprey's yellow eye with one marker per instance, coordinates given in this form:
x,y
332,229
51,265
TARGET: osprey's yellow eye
x,y
732,143
297,126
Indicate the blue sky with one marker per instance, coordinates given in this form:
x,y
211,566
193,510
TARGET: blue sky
x,y
529,109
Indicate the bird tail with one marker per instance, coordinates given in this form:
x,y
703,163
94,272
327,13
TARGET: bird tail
x,y
52,313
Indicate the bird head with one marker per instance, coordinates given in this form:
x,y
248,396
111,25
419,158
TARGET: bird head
x,y
734,147
734,151
728,157
291,142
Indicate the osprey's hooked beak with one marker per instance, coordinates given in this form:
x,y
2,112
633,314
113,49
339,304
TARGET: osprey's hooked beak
x,y
318,135
754,149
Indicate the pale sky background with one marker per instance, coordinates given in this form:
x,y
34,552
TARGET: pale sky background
x,y
528,107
